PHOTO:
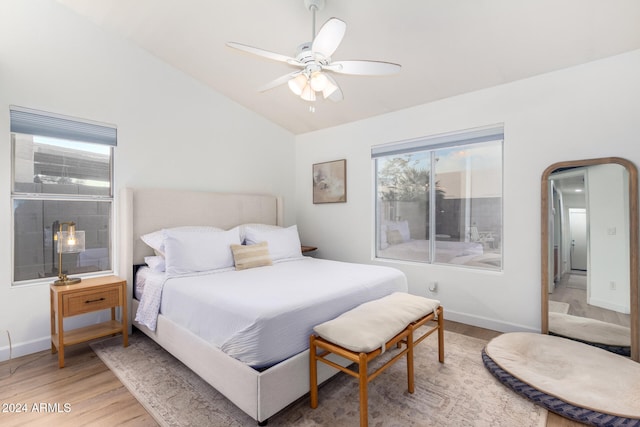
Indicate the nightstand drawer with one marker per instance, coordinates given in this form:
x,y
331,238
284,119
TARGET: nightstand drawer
x,y
86,302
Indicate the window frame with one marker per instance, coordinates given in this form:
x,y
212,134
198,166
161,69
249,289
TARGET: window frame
x,y
16,196
431,144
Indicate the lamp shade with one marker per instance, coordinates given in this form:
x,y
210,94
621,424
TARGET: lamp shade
x,y
329,89
297,84
308,94
318,81
70,242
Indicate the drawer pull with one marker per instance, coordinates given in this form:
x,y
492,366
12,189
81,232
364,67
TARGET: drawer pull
x,y
94,300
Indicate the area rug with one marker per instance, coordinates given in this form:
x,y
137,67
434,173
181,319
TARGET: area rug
x,y
578,381
459,392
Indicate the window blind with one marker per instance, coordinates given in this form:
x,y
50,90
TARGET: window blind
x,y
492,133
33,122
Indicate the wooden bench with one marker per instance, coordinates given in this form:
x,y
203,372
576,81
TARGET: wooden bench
x,y
367,331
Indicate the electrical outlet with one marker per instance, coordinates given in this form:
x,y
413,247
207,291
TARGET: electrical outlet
x,y
433,286
612,285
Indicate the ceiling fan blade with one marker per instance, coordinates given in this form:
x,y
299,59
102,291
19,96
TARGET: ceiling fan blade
x,y
333,94
329,37
364,68
264,53
279,81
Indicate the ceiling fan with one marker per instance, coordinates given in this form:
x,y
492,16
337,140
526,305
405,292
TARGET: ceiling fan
x,y
314,61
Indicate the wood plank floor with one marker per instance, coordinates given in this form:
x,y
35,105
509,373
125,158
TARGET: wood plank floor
x,y
576,297
93,394
95,397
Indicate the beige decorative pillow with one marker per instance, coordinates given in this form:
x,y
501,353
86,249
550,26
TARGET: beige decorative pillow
x,y
250,256
394,237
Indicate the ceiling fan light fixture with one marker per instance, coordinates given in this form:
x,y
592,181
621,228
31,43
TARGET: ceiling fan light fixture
x,y
329,89
314,63
308,94
297,84
318,81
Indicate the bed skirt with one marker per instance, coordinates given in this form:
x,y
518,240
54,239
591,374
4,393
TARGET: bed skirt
x,y
261,394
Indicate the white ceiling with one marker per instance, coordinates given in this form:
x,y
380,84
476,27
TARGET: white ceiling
x,y
445,47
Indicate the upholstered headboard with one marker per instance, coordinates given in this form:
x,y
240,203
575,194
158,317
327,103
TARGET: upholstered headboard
x,y
146,210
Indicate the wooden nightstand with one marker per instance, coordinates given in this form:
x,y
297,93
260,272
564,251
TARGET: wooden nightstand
x,y
306,249
90,295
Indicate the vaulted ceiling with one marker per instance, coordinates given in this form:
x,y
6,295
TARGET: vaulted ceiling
x,y
445,47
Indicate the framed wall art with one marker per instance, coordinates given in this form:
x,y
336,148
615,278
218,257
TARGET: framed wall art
x,y
330,182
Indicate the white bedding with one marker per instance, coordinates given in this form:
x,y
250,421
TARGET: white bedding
x,y
144,275
446,251
264,315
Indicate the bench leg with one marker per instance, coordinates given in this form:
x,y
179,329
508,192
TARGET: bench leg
x,y
441,334
410,380
364,403
313,372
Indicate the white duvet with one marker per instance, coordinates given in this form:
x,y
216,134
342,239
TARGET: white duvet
x,y
264,315
446,251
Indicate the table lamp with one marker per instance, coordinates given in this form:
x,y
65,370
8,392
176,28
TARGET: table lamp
x,y
69,242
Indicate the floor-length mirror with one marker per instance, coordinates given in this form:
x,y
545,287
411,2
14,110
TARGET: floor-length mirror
x,y
590,253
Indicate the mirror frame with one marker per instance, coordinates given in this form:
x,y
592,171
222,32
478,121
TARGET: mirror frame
x,y
633,241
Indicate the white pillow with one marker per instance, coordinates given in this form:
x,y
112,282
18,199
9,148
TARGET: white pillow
x,y
155,263
194,250
156,238
283,242
259,227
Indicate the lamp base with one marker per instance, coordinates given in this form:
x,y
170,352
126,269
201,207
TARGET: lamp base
x,y
66,281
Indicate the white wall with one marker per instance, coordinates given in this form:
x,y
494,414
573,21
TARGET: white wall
x,y
172,130
608,237
582,112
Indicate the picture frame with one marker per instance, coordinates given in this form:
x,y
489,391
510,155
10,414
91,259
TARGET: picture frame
x,y
330,182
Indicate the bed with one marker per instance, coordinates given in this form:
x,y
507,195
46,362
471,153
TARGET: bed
x,y
263,383
396,242
446,252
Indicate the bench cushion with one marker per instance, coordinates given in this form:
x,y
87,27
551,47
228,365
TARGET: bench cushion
x,y
370,325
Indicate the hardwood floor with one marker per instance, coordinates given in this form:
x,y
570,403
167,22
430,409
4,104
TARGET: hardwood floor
x,y
84,393
572,289
87,393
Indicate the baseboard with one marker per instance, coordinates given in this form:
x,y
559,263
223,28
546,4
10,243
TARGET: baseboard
x,y
486,323
609,305
40,344
22,348
44,343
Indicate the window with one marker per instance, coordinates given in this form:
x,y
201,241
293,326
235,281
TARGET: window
x,y
439,199
62,171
